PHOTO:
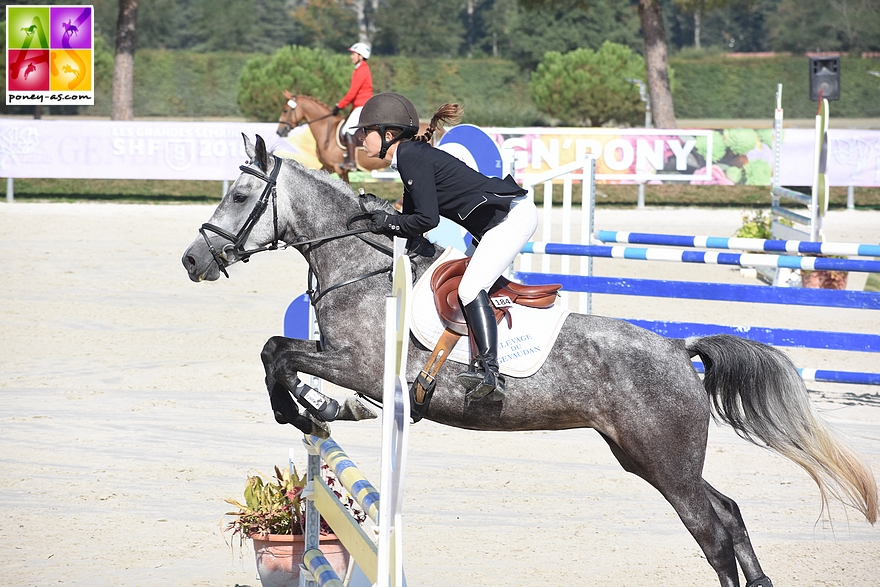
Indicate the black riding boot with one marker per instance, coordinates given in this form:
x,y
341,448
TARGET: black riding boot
x,y
349,161
483,378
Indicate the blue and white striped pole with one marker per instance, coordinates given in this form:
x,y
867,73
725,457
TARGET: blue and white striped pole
x,y
853,377
740,244
704,257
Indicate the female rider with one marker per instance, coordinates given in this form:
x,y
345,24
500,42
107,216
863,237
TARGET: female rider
x,y
496,212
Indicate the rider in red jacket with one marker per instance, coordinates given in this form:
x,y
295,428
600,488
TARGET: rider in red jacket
x,y
359,92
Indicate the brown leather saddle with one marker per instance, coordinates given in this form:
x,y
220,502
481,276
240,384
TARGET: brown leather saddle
x,y
444,284
340,133
505,293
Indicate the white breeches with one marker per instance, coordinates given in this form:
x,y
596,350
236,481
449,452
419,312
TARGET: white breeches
x,y
498,248
353,120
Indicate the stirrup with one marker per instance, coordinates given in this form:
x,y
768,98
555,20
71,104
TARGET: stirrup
x,y
482,383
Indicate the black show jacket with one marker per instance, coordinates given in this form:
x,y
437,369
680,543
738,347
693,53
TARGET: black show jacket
x,y
437,184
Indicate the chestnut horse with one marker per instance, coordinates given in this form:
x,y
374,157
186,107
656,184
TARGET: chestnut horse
x,y
325,127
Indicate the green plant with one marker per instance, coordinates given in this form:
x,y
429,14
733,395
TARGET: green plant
x,y
300,70
584,87
273,506
755,225
276,505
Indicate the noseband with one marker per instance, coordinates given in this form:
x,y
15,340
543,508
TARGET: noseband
x,y
237,241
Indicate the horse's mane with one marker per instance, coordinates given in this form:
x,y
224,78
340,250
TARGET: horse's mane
x,y
313,99
372,202
327,182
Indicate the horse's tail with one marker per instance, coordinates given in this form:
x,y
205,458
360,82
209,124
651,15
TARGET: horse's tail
x,y
757,390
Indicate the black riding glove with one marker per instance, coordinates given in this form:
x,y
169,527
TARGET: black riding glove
x,y
379,222
335,110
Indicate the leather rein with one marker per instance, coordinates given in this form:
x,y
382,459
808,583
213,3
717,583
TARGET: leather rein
x,y
237,241
304,120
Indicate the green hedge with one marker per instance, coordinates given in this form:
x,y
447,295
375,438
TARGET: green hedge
x,y
725,87
493,91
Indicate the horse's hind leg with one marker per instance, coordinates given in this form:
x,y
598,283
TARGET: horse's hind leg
x,y
730,516
684,490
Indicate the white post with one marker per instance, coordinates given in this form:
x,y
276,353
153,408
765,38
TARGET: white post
x,y
820,183
850,198
641,201
588,209
10,190
395,422
225,187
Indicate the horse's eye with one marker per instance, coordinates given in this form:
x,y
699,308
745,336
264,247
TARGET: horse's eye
x,y
239,198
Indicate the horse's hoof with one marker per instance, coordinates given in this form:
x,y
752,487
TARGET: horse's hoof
x,y
354,410
763,581
320,429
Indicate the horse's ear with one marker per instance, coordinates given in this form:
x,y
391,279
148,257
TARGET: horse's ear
x,y
287,94
262,156
248,147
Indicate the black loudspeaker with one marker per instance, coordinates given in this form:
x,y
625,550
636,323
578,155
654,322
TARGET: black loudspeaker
x,y
825,76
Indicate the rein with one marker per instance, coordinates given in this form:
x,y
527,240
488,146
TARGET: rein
x,y
304,121
312,291
237,241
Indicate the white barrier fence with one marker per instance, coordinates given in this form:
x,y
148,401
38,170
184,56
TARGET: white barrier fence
x,y
380,565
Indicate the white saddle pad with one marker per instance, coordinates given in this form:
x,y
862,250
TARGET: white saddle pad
x,y
521,349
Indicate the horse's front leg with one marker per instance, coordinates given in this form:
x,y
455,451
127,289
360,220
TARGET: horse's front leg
x,y
283,359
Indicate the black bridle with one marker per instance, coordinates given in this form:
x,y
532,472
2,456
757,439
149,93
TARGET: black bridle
x,y
237,241
304,120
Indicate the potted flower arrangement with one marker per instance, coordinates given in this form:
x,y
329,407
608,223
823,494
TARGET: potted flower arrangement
x,y
825,279
273,517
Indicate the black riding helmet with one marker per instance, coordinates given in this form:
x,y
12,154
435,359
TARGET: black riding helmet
x,y
390,110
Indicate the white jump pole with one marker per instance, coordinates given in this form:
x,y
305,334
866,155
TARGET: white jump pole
x,y
395,422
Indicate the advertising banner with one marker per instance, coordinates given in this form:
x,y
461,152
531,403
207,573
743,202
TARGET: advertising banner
x,y
101,149
713,157
50,55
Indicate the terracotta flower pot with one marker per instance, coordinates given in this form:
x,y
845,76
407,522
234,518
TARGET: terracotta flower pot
x,y
279,556
824,279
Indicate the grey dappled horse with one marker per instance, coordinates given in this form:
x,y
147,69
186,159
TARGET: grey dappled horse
x,y
637,389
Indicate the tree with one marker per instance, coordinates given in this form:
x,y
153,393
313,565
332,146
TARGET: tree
x,y
568,25
662,109
122,107
811,25
698,8
654,33
419,29
328,24
300,70
587,88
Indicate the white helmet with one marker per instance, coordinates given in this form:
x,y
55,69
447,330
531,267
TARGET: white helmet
x,y
361,49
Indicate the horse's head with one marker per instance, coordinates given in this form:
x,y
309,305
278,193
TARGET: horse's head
x,y
291,116
239,228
